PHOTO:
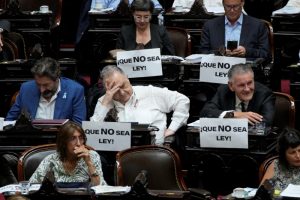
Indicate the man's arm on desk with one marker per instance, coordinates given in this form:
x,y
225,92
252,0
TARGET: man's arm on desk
x,y
168,101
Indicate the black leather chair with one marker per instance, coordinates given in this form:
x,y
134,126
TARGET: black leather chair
x,y
31,158
181,40
284,110
162,165
264,166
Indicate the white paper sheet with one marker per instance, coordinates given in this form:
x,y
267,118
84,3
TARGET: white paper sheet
x,y
291,191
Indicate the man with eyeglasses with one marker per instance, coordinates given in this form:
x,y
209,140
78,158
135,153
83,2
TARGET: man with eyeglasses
x,y
250,34
242,98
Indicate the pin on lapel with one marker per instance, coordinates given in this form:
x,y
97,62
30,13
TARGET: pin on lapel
x,y
65,95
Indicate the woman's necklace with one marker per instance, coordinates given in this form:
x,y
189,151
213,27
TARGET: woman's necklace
x,y
69,166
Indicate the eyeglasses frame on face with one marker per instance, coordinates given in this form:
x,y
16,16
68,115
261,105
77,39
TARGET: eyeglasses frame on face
x,y
74,139
145,18
233,7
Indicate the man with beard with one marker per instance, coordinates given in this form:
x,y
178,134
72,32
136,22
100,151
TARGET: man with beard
x,y
50,96
242,98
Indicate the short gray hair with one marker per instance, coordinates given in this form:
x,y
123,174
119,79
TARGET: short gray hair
x,y
239,69
48,67
109,70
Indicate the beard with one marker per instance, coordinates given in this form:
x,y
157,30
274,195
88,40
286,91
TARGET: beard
x,y
47,94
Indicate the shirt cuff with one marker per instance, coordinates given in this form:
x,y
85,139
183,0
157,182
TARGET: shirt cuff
x,y
174,126
224,113
101,114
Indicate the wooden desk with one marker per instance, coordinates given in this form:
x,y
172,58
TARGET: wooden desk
x,y
220,170
35,28
19,140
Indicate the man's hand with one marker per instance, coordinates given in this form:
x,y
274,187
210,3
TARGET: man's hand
x,y
169,132
240,51
111,89
252,117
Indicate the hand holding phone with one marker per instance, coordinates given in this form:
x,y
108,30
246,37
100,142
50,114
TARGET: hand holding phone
x,y
232,44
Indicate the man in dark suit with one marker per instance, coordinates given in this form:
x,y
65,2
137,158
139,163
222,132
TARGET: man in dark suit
x,y
250,33
50,96
242,98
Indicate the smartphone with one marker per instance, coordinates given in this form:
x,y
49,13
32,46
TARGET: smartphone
x,y
232,44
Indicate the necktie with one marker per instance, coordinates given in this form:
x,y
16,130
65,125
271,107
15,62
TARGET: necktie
x,y
243,107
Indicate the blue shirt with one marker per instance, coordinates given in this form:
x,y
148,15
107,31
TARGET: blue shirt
x,y
233,32
114,3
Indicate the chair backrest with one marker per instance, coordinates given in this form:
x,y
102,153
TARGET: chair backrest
x,y
270,36
181,40
161,163
19,42
264,166
31,158
10,49
284,110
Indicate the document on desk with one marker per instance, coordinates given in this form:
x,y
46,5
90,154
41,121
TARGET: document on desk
x,y
100,189
195,123
291,191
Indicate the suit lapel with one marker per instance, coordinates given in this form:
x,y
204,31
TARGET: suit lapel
x,y
245,30
221,31
60,100
155,38
35,103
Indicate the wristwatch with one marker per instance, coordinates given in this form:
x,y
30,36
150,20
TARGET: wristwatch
x,y
229,115
95,174
1,30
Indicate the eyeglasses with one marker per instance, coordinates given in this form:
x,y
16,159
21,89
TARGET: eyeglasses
x,y
233,7
139,18
75,139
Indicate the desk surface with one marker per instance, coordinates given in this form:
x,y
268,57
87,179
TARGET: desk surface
x,y
19,140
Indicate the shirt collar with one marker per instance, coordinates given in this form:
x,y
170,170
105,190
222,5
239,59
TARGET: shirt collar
x,y
239,21
238,101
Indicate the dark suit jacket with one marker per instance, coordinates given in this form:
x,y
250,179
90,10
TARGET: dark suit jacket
x,y
263,102
159,39
254,37
70,101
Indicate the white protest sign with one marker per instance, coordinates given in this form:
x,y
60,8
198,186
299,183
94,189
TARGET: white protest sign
x,y
214,69
108,136
140,63
223,133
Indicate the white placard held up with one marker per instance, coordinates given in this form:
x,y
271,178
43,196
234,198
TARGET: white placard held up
x,y
223,133
214,69
108,136
140,63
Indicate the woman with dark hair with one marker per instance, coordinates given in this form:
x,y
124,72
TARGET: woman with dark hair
x,y
143,34
72,161
286,169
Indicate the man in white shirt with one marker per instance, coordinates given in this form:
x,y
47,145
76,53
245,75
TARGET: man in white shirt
x,y
143,104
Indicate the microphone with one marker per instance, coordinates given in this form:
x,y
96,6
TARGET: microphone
x,y
141,182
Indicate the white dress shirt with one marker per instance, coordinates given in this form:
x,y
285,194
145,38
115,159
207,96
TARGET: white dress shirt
x,y
149,105
46,108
